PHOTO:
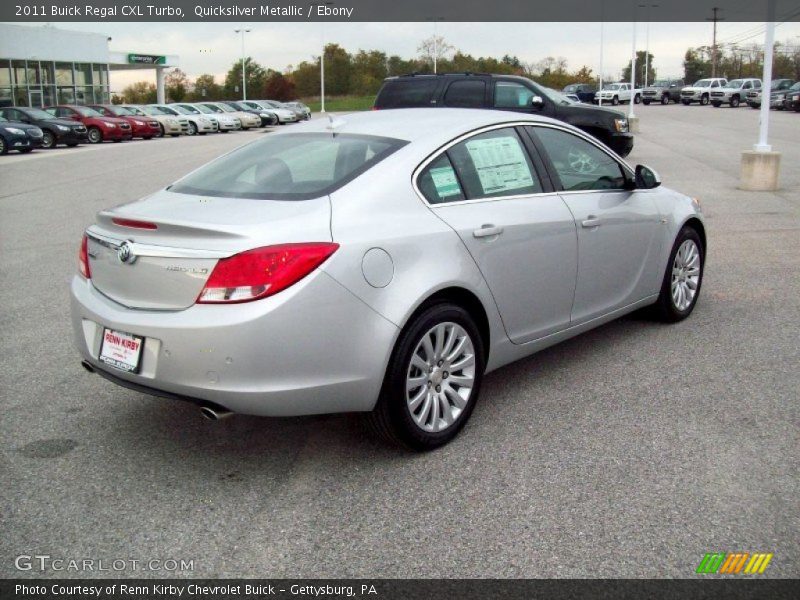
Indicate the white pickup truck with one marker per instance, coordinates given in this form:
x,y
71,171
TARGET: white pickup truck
x,y
615,93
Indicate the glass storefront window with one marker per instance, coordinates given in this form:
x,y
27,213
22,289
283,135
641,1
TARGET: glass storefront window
x,y
47,73
83,74
5,74
103,75
21,96
5,96
66,95
34,75
20,74
48,95
64,73
84,95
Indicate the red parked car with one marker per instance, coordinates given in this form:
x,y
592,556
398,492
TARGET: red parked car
x,y
142,127
98,127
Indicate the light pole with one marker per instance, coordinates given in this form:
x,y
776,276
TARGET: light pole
x,y
633,71
647,43
322,66
600,86
244,69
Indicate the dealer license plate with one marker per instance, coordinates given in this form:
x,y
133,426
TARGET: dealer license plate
x,y
121,350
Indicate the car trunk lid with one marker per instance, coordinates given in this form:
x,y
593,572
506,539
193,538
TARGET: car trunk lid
x,y
158,253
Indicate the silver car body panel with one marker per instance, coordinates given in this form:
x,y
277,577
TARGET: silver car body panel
x,y
323,344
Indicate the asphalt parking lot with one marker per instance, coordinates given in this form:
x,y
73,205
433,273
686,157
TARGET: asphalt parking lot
x,y
630,451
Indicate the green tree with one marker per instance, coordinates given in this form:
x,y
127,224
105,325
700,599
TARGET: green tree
x,y
306,79
256,78
206,88
639,80
141,92
337,70
369,69
696,65
177,85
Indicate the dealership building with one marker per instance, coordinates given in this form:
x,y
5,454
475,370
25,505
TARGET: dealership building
x,y
41,66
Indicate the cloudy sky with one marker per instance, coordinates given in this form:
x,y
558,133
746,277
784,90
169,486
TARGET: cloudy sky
x,y
212,47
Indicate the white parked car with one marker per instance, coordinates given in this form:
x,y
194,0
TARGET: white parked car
x,y
223,121
170,124
196,124
701,90
248,120
617,93
284,114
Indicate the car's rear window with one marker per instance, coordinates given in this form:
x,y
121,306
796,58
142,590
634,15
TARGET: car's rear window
x,y
406,93
295,166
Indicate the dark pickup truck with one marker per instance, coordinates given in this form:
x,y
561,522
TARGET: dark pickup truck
x,y
504,92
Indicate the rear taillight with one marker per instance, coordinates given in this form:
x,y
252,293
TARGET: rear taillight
x,y
83,259
262,272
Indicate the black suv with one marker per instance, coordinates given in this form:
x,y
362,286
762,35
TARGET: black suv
x,y
504,92
56,131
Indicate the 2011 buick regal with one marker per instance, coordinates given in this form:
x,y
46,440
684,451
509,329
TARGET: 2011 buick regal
x,y
379,262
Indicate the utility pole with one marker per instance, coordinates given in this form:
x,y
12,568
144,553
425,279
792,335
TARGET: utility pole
x,y
244,61
715,18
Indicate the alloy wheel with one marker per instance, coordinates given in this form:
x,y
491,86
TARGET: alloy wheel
x,y
95,137
685,275
192,129
3,148
49,140
440,377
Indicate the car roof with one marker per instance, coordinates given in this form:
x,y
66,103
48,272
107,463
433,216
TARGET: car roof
x,y
413,124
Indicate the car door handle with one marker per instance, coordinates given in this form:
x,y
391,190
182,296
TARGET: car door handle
x,y
591,221
487,231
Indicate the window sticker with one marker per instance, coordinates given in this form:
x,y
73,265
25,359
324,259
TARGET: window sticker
x,y
445,182
500,163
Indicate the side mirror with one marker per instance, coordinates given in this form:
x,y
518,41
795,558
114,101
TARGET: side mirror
x,y
537,102
646,178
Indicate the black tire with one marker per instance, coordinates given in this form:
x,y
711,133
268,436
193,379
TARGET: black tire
x,y
615,100
665,99
392,419
646,102
735,102
637,99
160,130
704,100
94,135
49,140
664,309
192,129
716,104
3,147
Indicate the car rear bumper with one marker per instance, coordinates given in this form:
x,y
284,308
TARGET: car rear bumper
x,y
621,143
313,348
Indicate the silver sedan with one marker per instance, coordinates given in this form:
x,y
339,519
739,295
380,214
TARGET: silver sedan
x,y
380,262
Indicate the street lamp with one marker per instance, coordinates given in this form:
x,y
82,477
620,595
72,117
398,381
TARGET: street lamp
x,y
647,43
244,70
631,102
322,66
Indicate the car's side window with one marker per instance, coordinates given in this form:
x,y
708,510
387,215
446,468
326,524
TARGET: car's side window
x,y
439,182
494,163
508,94
466,94
580,165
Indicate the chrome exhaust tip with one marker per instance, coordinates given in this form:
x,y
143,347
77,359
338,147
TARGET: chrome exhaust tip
x,y
86,365
212,413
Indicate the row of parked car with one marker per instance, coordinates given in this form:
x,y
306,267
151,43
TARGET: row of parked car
x,y
717,91
26,128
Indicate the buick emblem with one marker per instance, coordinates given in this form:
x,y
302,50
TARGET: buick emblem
x,y
125,254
